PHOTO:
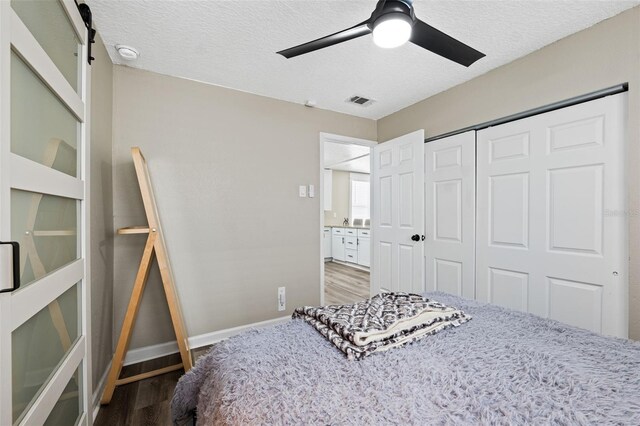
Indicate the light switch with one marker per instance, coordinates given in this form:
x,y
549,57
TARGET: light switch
x,y
303,191
312,191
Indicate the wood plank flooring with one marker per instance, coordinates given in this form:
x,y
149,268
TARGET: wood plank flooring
x,y
344,284
147,402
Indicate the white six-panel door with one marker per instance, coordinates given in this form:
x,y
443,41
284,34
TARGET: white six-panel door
x,y
551,223
450,192
397,176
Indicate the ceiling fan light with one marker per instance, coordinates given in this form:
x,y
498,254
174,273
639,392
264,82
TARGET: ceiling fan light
x,y
392,31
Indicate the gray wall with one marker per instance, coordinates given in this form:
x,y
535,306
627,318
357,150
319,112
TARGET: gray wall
x,y
598,57
101,211
225,166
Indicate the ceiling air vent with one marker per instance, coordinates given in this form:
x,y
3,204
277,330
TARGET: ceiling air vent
x,y
359,100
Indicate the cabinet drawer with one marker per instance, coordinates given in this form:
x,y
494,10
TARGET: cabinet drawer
x,y
351,255
351,243
327,230
364,233
351,231
337,231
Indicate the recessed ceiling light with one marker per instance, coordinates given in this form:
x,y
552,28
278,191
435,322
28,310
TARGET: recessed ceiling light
x,y
127,53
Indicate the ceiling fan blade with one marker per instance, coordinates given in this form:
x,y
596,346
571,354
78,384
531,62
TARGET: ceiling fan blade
x,y
339,37
424,35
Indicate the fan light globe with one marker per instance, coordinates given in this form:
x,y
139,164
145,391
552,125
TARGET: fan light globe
x,y
391,33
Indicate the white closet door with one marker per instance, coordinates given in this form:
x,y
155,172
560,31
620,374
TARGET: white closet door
x,y
397,176
450,212
552,229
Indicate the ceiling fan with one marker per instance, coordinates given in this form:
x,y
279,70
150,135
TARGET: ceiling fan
x,y
393,23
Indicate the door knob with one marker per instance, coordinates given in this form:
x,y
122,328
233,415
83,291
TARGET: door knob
x,y
415,237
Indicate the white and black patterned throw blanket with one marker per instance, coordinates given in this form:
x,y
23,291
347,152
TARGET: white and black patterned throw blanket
x,y
386,321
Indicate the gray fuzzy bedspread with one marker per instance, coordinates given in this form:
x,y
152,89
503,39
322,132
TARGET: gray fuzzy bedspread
x,y
504,367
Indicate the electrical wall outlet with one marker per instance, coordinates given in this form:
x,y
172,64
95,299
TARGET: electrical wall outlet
x,y
282,301
302,191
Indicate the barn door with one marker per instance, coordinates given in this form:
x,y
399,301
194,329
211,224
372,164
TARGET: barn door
x,y
551,221
450,213
45,360
397,176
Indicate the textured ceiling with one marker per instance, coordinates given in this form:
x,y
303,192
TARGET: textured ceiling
x,y
346,157
233,44
336,153
357,165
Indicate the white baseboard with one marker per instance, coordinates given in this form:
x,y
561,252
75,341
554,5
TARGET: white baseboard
x,y
162,349
217,336
97,395
146,353
352,265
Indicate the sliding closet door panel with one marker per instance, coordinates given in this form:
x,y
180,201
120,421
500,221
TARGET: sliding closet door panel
x,y
509,210
509,288
551,227
450,215
397,179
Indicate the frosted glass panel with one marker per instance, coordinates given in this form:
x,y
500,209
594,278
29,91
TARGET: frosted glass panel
x,y
39,345
42,128
69,406
46,227
48,23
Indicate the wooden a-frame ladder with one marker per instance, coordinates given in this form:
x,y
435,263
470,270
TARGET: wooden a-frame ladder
x,y
155,245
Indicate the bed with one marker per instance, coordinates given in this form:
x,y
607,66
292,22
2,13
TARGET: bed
x,y
502,367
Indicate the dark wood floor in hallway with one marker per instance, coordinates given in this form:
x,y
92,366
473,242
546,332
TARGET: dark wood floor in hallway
x,y
344,284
